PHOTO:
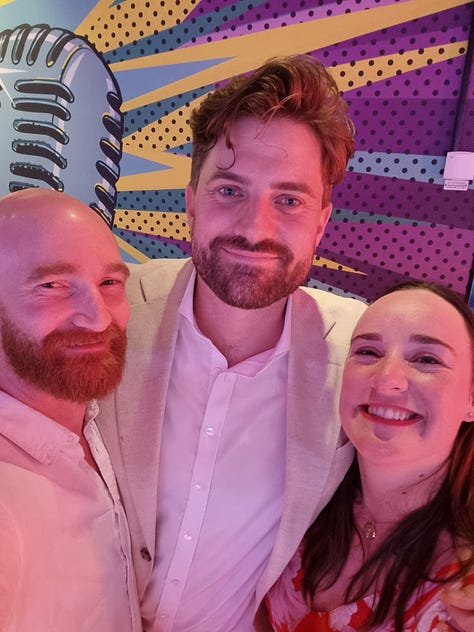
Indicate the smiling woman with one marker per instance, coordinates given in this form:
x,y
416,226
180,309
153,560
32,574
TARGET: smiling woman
x,y
407,384
379,554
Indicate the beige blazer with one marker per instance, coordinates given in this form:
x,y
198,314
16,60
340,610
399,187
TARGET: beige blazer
x,y
131,418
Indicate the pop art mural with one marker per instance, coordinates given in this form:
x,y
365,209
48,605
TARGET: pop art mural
x,y
90,76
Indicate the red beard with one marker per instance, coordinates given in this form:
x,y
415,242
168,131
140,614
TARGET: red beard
x,y
54,367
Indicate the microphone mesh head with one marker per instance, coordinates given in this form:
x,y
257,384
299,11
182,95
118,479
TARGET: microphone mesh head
x,y
60,116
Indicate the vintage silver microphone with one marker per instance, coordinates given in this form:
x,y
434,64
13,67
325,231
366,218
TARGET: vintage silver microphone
x,y
60,120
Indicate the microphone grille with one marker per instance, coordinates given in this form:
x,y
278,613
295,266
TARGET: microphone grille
x,y
60,113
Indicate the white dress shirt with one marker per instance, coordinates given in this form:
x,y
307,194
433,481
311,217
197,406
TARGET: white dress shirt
x,y
221,483
64,542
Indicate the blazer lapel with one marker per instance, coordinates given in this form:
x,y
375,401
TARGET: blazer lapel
x,y
313,431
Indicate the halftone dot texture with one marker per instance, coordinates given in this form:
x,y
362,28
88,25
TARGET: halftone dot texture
x,y
403,67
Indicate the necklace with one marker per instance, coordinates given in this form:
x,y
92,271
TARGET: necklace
x,y
369,530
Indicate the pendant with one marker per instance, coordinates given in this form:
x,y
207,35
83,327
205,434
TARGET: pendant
x,y
369,530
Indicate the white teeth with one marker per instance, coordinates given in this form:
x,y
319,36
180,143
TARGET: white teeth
x,y
389,413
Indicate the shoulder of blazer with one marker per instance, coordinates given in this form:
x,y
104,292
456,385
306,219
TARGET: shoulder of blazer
x,y
338,314
157,278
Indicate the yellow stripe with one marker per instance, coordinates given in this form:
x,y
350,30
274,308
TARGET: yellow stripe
x,y
333,265
158,223
387,66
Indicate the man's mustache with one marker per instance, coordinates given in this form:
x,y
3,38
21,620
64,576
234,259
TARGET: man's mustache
x,y
78,336
268,246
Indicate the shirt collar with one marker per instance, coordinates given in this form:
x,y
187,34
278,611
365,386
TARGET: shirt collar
x,y
37,435
91,413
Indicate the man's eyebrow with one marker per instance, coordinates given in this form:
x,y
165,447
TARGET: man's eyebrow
x,y
120,268
421,338
298,187
52,269
367,336
47,269
219,173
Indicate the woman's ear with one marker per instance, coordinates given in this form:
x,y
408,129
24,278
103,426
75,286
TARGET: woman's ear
x,y
470,411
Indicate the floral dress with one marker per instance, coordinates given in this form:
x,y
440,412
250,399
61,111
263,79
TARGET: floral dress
x,y
289,612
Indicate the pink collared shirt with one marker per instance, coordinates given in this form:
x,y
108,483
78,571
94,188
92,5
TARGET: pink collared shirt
x,y
221,483
64,542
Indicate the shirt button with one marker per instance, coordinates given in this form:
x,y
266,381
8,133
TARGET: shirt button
x,y
145,553
175,582
210,431
163,615
198,485
188,536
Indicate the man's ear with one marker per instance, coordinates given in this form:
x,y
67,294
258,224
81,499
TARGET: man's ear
x,y
324,216
326,212
189,197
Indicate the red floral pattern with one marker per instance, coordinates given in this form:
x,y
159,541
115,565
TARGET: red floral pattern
x,y
289,612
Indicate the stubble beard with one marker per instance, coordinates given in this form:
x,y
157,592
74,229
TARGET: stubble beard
x,y
248,286
79,376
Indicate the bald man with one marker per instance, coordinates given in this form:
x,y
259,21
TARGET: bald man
x,y
64,542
